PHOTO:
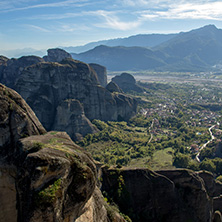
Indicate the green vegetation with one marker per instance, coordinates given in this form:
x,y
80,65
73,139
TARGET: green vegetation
x,y
49,194
172,124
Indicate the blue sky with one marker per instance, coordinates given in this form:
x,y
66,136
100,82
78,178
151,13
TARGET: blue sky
x,y
46,24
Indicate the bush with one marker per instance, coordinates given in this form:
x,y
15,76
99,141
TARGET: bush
x,y
181,160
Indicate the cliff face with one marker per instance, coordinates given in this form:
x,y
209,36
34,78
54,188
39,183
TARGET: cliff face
x,y
175,195
11,69
56,55
101,73
50,85
45,86
44,177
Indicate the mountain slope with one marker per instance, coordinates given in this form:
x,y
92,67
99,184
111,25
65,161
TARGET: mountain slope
x,y
141,40
197,50
122,58
200,46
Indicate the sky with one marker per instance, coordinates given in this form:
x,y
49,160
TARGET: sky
x,y
42,24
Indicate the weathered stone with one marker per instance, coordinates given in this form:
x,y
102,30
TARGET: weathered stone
x,y
44,178
113,87
168,196
71,117
46,85
127,83
8,203
16,120
56,55
101,73
11,69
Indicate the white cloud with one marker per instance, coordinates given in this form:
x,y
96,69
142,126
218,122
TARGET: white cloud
x,y
114,22
9,7
37,28
211,11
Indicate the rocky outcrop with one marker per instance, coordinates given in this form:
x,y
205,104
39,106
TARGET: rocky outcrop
x,y
56,55
168,196
71,117
101,73
127,83
11,69
46,85
113,87
44,177
16,120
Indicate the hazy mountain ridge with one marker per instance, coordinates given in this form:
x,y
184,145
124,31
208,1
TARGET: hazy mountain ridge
x,y
141,40
196,50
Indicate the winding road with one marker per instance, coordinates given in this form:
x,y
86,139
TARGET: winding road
x,y
212,138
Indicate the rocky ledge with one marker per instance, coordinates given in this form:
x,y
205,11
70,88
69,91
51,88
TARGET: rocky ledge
x,y
171,195
44,177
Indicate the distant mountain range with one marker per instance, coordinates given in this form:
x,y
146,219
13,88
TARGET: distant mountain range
x,y
141,40
196,50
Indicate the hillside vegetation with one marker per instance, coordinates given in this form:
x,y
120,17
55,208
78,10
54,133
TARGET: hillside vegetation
x,y
172,124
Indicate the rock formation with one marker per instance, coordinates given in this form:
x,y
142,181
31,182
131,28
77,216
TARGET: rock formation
x,y
101,73
16,119
45,86
48,84
71,117
56,55
171,195
127,83
113,87
44,177
11,69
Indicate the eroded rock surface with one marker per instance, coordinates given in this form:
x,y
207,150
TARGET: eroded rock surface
x,y
70,116
101,73
16,120
113,87
44,177
167,196
127,82
11,69
56,55
45,86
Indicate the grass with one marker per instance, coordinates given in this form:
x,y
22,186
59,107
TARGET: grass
x,y
162,159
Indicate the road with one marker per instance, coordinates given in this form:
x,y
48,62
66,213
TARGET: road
x,y
212,138
150,128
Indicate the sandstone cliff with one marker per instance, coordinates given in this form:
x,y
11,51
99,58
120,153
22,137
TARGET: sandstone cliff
x,y
44,177
11,69
50,86
171,195
101,73
45,87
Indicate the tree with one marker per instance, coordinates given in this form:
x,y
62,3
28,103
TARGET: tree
x,y
181,160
